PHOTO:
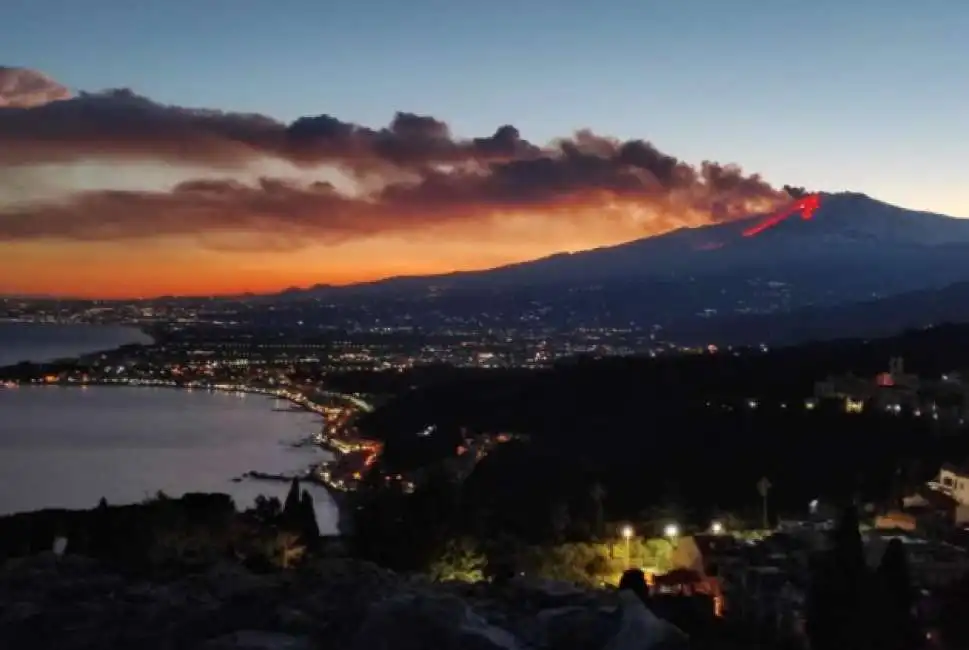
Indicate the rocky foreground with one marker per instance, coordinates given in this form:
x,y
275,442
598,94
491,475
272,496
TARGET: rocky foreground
x,y
67,602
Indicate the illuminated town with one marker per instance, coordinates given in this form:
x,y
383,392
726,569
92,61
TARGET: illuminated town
x,y
345,375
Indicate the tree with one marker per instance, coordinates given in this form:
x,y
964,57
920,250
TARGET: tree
x,y
899,629
897,490
460,560
763,488
597,494
285,549
838,612
559,520
849,552
291,507
658,552
267,511
309,527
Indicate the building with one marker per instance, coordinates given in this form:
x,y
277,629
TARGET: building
x,y
953,481
886,390
942,503
934,511
946,398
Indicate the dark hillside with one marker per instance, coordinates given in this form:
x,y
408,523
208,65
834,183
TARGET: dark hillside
x,y
702,427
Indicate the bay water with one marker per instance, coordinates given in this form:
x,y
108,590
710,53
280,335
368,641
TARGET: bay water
x,y
66,447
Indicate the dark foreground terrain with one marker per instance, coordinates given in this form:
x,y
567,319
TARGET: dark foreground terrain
x,y
179,574
74,603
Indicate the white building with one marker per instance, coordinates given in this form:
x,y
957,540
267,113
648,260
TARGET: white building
x,y
954,482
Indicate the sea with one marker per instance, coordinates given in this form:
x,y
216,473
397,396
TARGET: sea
x,y
43,342
66,447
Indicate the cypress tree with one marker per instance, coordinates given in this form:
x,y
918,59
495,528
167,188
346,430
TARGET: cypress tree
x,y
899,625
837,610
849,552
820,625
102,535
291,507
309,528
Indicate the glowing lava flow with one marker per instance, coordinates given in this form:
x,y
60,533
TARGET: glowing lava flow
x,y
806,206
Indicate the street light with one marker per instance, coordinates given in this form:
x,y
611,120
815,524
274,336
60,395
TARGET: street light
x,y
716,528
627,533
671,530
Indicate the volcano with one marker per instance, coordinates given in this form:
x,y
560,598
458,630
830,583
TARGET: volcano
x,y
845,230
852,248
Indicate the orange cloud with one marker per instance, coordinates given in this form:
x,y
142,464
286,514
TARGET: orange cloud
x,y
21,88
286,215
417,174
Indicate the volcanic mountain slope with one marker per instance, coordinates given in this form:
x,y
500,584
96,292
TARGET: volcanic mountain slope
x,y
912,310
848,229
854,248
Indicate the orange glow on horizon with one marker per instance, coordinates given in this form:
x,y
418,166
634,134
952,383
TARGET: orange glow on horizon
x,y
174,266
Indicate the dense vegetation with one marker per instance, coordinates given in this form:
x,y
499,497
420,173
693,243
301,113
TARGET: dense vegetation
x,y
164,533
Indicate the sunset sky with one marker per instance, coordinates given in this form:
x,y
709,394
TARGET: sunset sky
x,y
223,146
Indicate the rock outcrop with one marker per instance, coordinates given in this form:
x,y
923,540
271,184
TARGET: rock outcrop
x,y
50,602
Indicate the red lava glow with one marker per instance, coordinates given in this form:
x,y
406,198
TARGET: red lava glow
x,y
806,206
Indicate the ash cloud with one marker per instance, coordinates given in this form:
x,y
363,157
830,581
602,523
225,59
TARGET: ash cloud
x,y
796,192
428,176
119,124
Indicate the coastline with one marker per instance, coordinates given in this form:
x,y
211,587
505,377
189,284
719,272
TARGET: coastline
x,y
339,496
298,400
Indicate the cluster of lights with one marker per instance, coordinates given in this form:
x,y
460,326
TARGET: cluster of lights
x,y
672,530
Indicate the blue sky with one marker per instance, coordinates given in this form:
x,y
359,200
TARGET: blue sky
x,y
868,95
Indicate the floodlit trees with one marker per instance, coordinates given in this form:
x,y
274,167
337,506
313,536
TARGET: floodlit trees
x,y
461,560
